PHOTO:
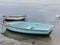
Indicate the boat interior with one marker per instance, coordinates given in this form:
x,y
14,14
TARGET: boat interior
x,y
31,26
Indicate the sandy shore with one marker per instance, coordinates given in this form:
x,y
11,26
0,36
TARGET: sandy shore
x,y
8,41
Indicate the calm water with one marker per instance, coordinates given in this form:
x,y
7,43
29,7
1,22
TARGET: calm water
x,y
43,11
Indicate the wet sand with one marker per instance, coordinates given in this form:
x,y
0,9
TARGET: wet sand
x,y
8,41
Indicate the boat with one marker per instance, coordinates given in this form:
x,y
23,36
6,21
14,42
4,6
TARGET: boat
x,y
14,18
30,28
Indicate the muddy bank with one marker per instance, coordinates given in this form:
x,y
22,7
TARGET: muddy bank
x,y
8,41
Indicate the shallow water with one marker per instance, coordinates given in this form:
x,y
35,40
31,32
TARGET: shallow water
x,y
43,11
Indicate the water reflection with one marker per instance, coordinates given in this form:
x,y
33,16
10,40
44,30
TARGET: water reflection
x,y
26,37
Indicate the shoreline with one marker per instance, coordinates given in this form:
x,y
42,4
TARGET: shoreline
x,y
8,41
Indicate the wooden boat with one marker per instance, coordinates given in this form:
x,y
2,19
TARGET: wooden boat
x,y
14,18
29,27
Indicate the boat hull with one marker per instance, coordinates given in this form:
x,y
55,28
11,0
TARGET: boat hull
x,y
32,32
30,28
15,19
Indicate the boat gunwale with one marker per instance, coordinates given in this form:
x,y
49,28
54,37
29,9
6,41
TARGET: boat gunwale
x,y
15,18
29,29
28,22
